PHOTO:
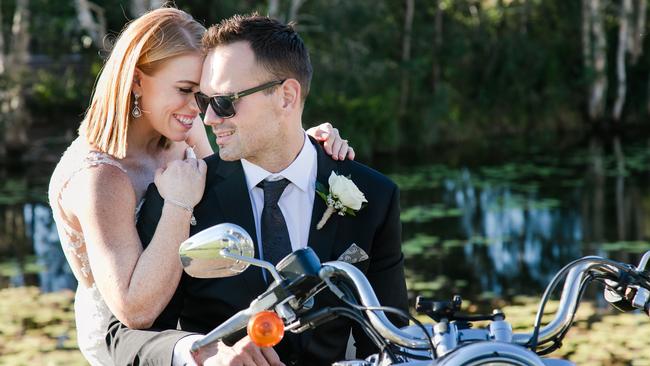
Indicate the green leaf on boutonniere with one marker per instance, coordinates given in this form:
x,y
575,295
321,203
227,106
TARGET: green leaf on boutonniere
x,y
321,190
349,211
320,187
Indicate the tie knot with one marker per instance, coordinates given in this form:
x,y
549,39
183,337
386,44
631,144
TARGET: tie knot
x,y
273,190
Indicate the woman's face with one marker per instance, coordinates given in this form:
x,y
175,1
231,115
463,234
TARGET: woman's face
x,y
167,96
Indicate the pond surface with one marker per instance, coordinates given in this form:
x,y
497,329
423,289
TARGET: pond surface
x,y
486,220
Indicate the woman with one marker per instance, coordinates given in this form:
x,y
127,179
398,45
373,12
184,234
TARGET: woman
x,y
141,120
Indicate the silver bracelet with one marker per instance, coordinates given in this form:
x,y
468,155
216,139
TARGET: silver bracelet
x,y
184,207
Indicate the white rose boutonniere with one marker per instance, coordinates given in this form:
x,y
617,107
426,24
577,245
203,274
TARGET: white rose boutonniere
x,y
344,197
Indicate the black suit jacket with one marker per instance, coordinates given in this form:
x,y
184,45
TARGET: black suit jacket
x,y
199,305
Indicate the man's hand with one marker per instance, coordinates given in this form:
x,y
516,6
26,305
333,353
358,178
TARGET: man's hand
x,y
243,353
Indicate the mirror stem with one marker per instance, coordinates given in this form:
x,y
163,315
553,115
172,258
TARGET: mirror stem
x,y
256,262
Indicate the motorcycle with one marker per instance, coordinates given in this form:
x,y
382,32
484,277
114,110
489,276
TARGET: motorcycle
x,y
226,250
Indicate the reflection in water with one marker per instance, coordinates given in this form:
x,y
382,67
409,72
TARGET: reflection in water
x,y
499,229
55,273
32,248
521,221
527,240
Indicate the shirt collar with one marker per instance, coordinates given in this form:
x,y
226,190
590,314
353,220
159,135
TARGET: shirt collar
x,y
298,172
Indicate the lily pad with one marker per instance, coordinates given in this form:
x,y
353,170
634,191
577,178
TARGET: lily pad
x,y
424,213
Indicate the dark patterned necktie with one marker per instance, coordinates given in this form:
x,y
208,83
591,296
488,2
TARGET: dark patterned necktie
x,y
275,235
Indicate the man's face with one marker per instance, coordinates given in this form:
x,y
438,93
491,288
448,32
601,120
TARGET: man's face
x,y
254,131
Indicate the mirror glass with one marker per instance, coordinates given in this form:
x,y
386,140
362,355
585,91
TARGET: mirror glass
x,y
201,254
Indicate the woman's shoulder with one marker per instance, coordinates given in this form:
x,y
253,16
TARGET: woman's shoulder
x,y
76,159
88,172
79,155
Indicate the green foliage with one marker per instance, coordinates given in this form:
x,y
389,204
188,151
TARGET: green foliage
x,y
498,67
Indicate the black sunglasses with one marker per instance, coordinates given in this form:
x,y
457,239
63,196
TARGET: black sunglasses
x,y
223,105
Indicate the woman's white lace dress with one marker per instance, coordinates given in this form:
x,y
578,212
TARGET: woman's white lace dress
x,y
91,312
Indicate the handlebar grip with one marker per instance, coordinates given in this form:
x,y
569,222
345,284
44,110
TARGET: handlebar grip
x,y
237,322
233,338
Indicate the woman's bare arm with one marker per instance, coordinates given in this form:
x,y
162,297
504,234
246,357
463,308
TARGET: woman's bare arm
x,y
135,284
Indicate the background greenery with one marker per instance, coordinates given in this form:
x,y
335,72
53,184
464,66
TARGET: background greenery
x,y
393,75
473,68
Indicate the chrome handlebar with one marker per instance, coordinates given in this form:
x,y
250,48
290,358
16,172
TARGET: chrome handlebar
x,y
579,271
368,298
570,297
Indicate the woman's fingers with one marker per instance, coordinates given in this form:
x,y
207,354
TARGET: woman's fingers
x,y
203,167
351,153
333,144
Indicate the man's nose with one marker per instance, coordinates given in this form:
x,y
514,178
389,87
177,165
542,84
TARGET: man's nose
x,y
211,118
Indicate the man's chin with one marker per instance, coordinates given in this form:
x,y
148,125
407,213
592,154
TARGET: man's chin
x,y
226,155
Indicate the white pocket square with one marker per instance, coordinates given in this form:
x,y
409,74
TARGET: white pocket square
x,y
353,254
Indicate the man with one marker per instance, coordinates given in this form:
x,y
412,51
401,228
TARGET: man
x,y
265,67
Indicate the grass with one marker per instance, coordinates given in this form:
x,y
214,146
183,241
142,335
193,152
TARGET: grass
x,y
38,329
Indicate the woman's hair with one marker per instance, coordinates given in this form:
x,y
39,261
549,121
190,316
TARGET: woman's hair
x,y
146,43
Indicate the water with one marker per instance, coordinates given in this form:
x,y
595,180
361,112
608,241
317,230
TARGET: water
x,y
485,220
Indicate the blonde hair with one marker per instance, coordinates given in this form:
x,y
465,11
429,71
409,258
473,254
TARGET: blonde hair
x,y
146,43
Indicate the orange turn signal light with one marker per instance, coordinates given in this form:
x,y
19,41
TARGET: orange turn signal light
x,y
265,329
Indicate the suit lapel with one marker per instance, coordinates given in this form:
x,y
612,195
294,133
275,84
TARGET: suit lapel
x,y
235,206
322,241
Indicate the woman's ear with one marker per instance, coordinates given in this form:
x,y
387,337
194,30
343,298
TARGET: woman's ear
x,y
290,90
136,86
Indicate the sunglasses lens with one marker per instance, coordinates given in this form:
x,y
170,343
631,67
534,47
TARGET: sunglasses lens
x,y
222,106
202,101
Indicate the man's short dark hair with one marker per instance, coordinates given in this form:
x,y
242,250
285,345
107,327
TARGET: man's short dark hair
x,y
277,46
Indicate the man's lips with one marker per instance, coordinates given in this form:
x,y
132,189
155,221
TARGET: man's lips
x,y
224,133
223,136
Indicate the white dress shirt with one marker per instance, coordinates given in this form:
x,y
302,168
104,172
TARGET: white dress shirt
x,y
296,204
297,200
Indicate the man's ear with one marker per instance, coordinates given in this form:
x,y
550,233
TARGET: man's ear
x,y
136,86
290,94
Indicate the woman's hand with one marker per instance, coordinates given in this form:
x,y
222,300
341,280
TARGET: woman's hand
x,y
332,142
182,181
198,139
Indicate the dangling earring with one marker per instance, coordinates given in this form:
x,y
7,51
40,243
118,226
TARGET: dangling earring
x,y
136,112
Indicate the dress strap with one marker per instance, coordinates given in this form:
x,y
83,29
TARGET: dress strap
x,y
96,158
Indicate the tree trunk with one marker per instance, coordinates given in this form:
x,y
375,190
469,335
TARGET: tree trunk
x,y
20,34
293,11
91,19
623,30
274,8
2,45
587,55
437,46
525,16
598,88
139,7
17,117
648,101
637,32
406,56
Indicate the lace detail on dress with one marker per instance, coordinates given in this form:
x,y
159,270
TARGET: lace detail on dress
x,y
75,159
92,315
96,158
